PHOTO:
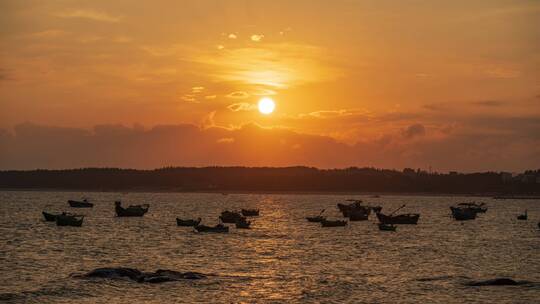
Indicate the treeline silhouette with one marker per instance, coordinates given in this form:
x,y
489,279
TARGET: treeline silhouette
x,y
300,179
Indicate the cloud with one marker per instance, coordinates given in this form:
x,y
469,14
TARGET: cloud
x,y
210,96
488,103
189,98
414,130
238,95
48,34
256,37
225,140
232,36
198,89
252,145
89,15
241,106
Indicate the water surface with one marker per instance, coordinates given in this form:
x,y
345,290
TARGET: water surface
x,y
282,259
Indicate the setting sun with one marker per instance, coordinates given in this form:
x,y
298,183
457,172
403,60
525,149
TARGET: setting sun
x,y
266,105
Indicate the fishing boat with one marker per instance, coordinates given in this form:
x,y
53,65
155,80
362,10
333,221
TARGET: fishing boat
x,y
250,212
49,217
73,220
230,217
131,211
317,219
463,214
187,223
346,209
243,224
80,204
336,223
387,227
219,228
358,215
477,207
403,219
523,216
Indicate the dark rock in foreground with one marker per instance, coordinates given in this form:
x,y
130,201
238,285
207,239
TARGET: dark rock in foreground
x,y
159,276
497,282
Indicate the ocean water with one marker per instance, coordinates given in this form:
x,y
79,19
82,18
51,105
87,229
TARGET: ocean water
x,y
283,259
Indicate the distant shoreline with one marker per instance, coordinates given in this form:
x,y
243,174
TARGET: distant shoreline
x,y
491,195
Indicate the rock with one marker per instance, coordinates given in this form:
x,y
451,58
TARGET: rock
x,y
160,276
497,282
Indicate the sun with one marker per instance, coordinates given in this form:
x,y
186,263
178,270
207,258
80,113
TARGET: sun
x,y
266,105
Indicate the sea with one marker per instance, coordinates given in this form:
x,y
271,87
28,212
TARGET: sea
x,y
282,259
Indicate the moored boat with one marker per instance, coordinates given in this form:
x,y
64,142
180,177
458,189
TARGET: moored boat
x,y
243,224
463,214
187,223
49,217
131,211
315,219
219,228
358,215
73,220
477,207
387,227
336,223
523,216
250,212
402,219
230,217
80,204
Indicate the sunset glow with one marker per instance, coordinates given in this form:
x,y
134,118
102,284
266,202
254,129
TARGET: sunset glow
x,y
387,89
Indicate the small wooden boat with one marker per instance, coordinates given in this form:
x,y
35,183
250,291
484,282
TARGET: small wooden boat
x,y
73,220
49,217
346,209
463,214
403,219
131,211
243,224
358,215
316,219
250,212
219,228
230,217
523,216
387,227
80,204
376,209
187,223
337,223
477,207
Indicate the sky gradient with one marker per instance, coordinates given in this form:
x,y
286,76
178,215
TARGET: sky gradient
x,y
454,85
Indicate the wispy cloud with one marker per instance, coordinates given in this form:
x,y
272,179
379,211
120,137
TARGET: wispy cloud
x,y
274,65
256,37
238,95
241,106
89,14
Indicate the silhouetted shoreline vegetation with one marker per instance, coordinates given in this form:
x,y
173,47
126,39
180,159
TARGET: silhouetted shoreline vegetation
x,y
283,179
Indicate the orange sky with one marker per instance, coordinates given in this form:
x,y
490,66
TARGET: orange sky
x,y
450,84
